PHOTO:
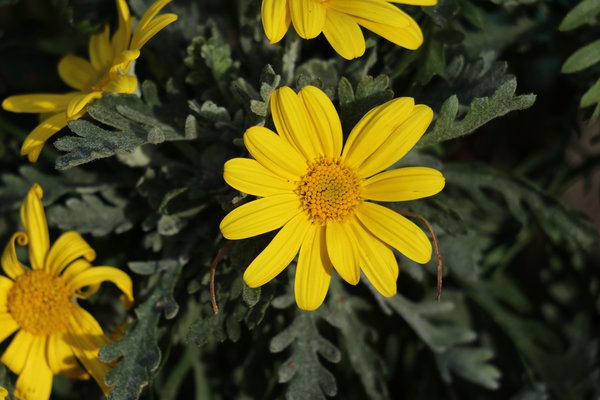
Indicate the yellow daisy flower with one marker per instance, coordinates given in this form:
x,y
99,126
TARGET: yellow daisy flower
x,y
54,335
108,70
340,22
318,193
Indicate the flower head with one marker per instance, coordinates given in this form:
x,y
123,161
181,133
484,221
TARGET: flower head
x,y
340,22
54,335
321,195
108,70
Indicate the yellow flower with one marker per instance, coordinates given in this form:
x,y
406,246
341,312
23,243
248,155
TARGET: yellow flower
x,y
54,335
107,71
318,193
3,393
340,22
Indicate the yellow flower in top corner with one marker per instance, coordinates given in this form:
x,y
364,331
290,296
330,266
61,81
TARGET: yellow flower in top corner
x,y
108,70
54,335
321,195
340,22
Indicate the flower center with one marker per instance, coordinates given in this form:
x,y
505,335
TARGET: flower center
x,y
329,191
39,303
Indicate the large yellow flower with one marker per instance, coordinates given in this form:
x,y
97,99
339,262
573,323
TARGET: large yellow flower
x,y
340,22
107,71
54,335
318,193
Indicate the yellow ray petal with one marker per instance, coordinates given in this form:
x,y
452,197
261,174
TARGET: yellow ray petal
x,y
96,275
38,103
151,13
292,122
121,84
343,251
142,35
17,352
248,176
80,103
67,248
75,268
374,128
400,142
278,254
5,286
260,216
3,393
33,218
344,35
377,261
415,2
76,72
8,326
275,153
35,381
61,359
404,184
395,230
313,273
34,142
308,17
10,262
325,121
276,19
121,38
375,11
101,52
86,338
410,36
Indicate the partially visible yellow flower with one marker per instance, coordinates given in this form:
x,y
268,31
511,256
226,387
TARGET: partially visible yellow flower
x,y
108,70
340,22
322,195
3,393
54,335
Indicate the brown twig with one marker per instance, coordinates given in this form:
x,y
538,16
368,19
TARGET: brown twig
x,y
223,252
436,247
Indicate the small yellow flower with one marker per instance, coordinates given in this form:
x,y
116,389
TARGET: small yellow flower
x,y
318,193
340,22
107,71
54,335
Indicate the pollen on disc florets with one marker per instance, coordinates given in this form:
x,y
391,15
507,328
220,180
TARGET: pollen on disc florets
x,y
40,303
329,191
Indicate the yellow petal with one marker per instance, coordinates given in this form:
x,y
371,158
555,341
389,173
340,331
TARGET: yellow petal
x,y
76,72
344,35
35,380
150,14
324,120
96,275
10,262
410,36
404,184
61,359
415,2
260,216
121,84
400,142
38,103
292,122
17,352
5,286
374,128
308,17
80,103
3,393
86,338
276,19
279,253
248,176
275,153
343,251
121,38
75,268
34,142
121,65
67,248
33,218
375,11
377,260
313,272
8,326
101,52
142,35
395,230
